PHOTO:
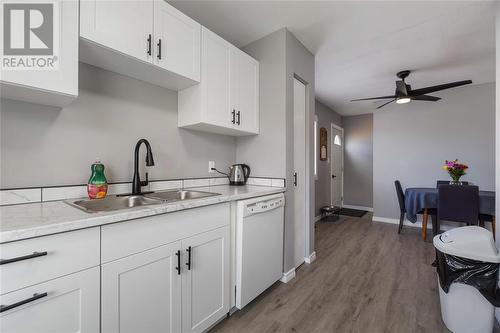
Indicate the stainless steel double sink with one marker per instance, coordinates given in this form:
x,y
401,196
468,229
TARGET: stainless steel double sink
x,y
112,203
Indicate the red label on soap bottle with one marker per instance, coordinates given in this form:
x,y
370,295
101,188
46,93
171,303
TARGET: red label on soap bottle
x,y
97,191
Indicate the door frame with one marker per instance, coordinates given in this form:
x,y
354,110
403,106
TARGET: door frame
x,y
341,129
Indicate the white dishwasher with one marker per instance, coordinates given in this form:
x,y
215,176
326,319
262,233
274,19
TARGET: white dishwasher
x,y
259,245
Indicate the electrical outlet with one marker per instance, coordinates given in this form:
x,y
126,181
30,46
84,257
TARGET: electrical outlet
x,y
211,165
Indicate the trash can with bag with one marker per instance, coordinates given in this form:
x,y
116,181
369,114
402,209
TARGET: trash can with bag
x,y
467,266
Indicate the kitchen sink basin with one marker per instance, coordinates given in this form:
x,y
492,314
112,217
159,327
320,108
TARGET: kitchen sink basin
x,y
113,203
180,195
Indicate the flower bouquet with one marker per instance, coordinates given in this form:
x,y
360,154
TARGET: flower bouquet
x,y
455,170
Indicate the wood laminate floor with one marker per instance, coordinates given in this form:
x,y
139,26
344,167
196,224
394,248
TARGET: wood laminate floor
x,y
366,278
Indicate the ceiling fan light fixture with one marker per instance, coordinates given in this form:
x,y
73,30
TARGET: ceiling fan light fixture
x,y
403,100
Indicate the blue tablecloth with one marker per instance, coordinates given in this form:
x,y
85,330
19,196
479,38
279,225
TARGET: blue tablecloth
x,y
418,198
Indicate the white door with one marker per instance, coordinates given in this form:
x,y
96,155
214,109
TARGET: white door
x,y
245,97
142,292
125,26
64,79
299,157
205,281
216,58
337,165
66,304
177,41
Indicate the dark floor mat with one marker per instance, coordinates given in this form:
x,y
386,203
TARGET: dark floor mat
x,y
352,212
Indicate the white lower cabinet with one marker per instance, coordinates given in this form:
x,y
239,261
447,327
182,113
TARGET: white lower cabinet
x,y
66,304
142,292
205,282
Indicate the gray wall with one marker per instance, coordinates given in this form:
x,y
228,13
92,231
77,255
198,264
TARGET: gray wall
x,y
498,125
411,142
266,152
50,146
326,116
281,56
358,160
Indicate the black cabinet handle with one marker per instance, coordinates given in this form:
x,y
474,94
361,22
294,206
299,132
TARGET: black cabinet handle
x,y
25,301
295,179
178,268
239,117
149,45
188,264
29,256
233,116
159,48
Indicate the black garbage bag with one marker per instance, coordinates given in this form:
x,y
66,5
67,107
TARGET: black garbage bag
x,y
479,274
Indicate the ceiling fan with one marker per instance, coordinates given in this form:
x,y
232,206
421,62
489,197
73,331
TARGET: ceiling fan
x,y
405,94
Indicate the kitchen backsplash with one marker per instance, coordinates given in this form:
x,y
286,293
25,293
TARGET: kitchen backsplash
x,y
52,193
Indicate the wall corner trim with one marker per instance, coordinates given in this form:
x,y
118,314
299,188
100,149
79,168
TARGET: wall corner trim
x,y
288,276
311,258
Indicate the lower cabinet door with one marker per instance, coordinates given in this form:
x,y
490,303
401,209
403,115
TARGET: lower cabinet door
x,y
142,292
66,304
205,284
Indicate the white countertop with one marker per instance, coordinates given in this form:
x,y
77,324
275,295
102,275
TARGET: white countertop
x,y
24,221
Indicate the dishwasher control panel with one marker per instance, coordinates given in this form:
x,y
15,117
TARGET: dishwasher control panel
x,y
264,206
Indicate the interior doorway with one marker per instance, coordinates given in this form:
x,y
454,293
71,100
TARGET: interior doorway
x,y
299,176
337,165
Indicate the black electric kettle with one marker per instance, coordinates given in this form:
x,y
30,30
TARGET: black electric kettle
x,y
238,174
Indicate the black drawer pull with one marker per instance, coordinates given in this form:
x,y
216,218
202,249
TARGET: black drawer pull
x,y
233,116
188,250
159,49
29,256
178,268
239,117
28,300
149,45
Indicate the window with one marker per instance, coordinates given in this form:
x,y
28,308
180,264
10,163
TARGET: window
x,y
316,147
336,140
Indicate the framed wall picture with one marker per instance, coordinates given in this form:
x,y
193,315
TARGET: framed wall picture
x,y
323,144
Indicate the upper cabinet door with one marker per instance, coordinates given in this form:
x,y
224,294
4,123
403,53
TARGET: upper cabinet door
x,y
125,26
56,86
215,78
247,116
177,41
205,281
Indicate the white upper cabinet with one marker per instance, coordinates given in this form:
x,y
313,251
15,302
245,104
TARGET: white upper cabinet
x,y
177,41
149,40
124,26
227,99
57,85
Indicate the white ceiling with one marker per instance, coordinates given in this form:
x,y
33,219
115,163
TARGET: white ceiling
x,y
360,45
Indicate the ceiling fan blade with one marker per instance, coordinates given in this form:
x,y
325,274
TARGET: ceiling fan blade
x,y
428,90
401,88
371,98
426,98
381,106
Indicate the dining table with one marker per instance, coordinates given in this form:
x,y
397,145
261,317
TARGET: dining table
x,y
419,198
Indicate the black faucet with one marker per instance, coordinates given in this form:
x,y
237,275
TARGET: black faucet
x,y
137,183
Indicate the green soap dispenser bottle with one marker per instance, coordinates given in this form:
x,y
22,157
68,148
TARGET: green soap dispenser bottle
x,y
97,186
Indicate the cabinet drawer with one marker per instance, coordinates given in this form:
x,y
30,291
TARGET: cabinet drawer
x,y
146,233
35,260
66,304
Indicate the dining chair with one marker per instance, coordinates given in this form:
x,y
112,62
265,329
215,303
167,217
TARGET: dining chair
x,y
447,182
458,204
488,218
425,212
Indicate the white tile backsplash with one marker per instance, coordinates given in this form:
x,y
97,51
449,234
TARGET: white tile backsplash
x,y
122,188
277,182
259,181
196,182
219,181
165,185
19,196
64,193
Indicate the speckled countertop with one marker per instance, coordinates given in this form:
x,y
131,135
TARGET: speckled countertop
x,y
24,221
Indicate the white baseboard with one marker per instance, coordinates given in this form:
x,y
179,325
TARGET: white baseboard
x,y
311,258
369,209
418,224
317,218
288,276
